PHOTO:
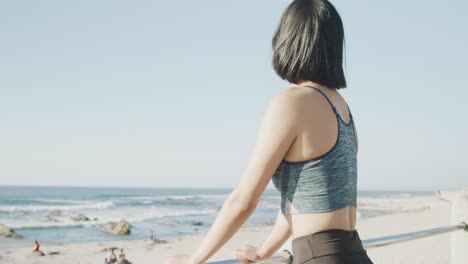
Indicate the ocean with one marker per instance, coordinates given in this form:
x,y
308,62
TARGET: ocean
x,y
44,213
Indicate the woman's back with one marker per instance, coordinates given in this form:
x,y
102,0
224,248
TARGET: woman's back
x,y
318,139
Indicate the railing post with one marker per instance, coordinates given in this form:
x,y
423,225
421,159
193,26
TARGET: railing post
x,y
459,240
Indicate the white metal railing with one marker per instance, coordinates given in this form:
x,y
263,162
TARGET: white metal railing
x,y
388,240
285,256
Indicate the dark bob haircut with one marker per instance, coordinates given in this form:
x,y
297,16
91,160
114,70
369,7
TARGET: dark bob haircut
x,y
308,44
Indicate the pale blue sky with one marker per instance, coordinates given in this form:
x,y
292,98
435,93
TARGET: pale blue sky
x,y
171,93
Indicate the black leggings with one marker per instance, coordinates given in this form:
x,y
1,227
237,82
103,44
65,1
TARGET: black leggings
x,y
334,246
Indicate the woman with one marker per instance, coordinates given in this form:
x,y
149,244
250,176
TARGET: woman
x,y
307,145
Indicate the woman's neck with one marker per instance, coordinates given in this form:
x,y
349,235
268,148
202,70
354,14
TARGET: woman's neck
x,y
317,85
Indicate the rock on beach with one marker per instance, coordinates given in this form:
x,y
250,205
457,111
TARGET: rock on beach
x,y
117,228
6,232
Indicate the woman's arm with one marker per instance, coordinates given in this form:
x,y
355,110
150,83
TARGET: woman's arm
x,y
276,134
280,233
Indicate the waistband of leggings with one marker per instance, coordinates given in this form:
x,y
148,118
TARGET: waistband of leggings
x,y
332,241
328,233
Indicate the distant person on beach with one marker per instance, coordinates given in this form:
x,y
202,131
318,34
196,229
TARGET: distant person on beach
x,y
306,145
106,261
36,246
122,259
111,257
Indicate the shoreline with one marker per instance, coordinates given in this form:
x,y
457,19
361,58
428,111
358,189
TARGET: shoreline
x,y
65,216
405,214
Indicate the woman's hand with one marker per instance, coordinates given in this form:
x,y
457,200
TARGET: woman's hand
x,y
179,259
247,253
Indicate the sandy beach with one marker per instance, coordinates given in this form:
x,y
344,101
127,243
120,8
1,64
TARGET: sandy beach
x,y
404,214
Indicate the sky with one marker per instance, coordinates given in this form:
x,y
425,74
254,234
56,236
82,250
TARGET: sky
x,y
171,93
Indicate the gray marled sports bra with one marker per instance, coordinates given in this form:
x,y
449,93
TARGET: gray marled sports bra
x,y
324,183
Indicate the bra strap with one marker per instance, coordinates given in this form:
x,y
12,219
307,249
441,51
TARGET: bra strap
x,y
326,97
329,101
350,114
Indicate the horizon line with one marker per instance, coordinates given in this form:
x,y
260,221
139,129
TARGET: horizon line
x,y
206,188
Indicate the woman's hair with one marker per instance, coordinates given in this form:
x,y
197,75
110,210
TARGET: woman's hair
x,y
308,44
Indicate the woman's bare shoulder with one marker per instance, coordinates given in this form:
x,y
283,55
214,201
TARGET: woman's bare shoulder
x,y
299,97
